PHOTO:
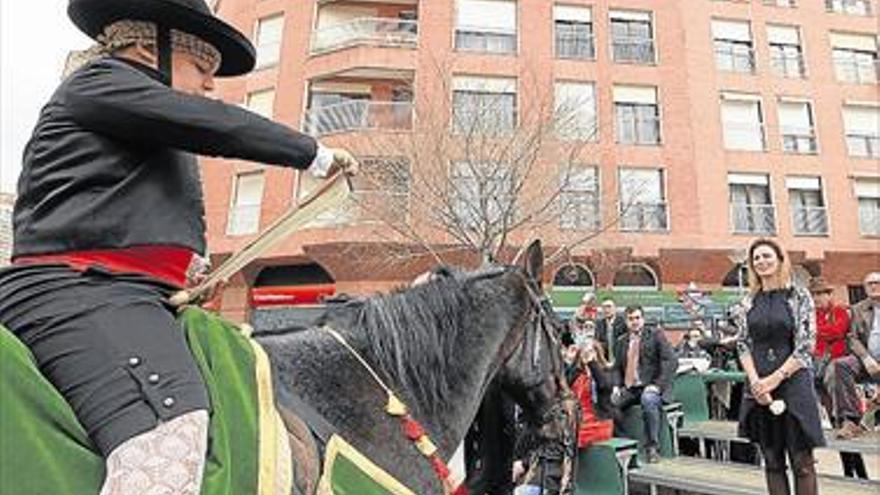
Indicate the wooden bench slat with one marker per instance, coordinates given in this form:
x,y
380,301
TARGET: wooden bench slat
x,y
703,476
869,443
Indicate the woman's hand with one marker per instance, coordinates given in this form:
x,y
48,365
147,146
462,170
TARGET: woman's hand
x,y
766,385
764,399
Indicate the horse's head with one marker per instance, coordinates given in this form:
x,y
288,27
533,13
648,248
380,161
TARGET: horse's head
x,y
531,371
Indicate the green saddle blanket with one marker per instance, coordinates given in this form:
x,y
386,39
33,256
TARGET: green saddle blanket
x,y
44,449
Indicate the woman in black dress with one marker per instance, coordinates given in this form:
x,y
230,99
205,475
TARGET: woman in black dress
x,y
776,336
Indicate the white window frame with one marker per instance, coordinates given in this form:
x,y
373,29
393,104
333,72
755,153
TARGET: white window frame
x,y
236,211
270,49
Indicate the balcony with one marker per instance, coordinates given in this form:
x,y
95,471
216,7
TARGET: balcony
x,y
851,7
644,217
579,211
633,49
243,220
809,220
374,31
869,217
863,145
359,115
640,130
800,140
744,136
573,42
476,40
753,219
788,65
854,71
735,58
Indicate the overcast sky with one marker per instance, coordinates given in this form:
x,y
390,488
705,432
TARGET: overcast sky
x,y
35,36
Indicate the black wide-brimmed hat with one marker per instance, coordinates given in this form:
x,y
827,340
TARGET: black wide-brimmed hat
x,y
189,16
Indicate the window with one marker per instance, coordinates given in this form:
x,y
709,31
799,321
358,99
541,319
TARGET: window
x,y
482,197
573,275
486,26
861,123
733,46
483,105
261,102
751,210
574,32
244,212
796,127
742,121
868,195
269,33
808,214
632,37
575,117
637,114
635,276
851,7
642,200
855,57
781,3
337,107
786,55
579,198
382,188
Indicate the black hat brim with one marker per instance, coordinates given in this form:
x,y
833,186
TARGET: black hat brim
x,y
236,51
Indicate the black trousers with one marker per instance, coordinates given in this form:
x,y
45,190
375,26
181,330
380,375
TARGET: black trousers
x,y
109,344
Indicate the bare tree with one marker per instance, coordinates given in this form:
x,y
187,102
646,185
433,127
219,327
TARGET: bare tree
x,y
499,157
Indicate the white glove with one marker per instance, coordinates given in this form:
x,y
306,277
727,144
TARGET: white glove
x,y
329,160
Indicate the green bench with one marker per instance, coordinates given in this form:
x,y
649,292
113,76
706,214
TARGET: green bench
x,y
710,477
603,467
690,391
670,420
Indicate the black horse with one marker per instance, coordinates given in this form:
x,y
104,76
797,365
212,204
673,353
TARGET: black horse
x,y
438,346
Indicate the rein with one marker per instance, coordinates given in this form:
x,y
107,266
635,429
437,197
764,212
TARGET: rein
x,y
412,429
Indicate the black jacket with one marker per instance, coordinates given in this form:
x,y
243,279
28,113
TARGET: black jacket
x,y
657,360
110,163
619,327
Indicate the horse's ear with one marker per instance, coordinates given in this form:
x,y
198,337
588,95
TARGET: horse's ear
x,y
534,262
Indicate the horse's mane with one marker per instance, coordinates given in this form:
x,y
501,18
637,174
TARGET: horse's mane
x,y
413,333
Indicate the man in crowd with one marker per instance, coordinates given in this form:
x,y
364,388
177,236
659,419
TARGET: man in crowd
x,y
645,368
862,362
609,328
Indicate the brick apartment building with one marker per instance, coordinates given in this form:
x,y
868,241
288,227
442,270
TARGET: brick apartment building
x,y
739,119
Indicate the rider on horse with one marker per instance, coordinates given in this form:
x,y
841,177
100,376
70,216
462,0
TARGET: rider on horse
x,y
109,221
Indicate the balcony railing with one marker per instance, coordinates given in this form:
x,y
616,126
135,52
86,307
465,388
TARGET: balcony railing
x,y
856,71
644,217
744,136
799,140
753,219
632,49
477,40
638,130
854,7
366,30
579,211
243,220
869,218
863,145
359,115
788,65
572,42
735,58
809,220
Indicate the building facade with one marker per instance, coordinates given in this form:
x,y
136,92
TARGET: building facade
x,y
701,125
